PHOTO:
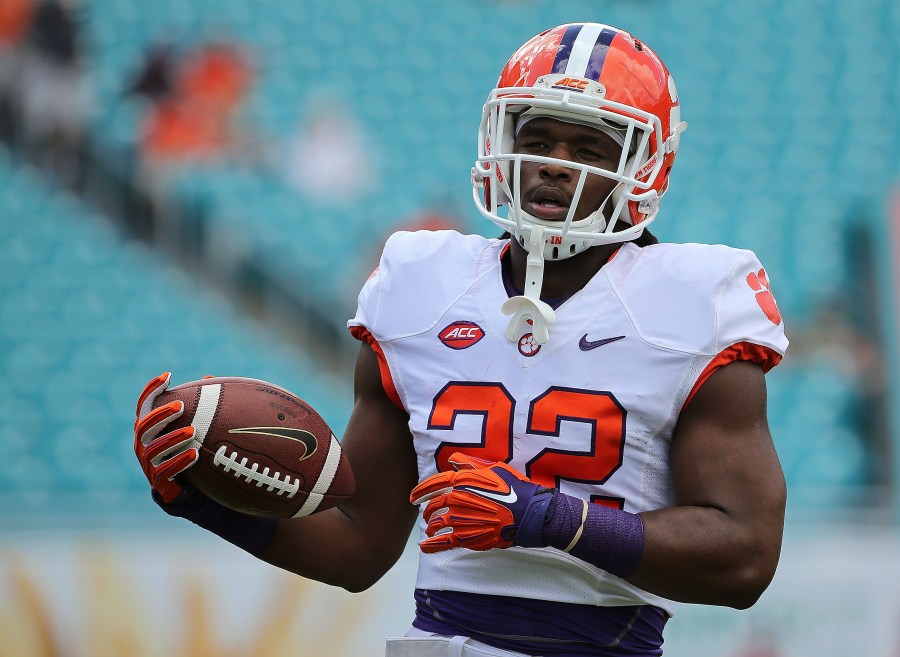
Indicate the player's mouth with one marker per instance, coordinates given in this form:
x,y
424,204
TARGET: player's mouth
x,y
548,203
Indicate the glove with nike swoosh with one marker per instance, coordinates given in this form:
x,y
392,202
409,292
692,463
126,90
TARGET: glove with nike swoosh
x,y
481,505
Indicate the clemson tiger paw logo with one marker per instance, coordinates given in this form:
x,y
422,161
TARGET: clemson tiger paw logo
x,y
528,345
759,283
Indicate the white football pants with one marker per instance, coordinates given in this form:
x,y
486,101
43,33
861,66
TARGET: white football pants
x,y
417,643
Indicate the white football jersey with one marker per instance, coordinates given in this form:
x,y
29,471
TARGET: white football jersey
x,y
591,411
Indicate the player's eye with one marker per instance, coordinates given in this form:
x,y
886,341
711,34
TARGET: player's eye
x,y
598,157
533,145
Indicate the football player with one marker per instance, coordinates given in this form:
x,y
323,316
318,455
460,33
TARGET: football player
x,y
575,413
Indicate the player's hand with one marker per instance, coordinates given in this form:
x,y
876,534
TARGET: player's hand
x,y
481,505
162,457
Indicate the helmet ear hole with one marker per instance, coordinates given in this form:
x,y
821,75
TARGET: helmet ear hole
x,y
665,180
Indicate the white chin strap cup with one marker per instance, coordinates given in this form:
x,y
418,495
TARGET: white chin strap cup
x,y
530,307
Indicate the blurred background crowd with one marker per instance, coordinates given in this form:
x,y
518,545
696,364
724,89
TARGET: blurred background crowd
x,y
203,187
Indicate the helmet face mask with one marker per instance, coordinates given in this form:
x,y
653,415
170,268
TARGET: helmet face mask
x,y
581,73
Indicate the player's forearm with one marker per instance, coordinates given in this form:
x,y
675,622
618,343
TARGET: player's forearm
x,y
334,547
703,555
689,554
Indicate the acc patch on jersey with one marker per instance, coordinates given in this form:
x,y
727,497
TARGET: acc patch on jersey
x,y
461,335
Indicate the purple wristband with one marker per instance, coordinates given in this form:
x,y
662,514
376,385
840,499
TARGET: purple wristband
x,y
607,538
250,533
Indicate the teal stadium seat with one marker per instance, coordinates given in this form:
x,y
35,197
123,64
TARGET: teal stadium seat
x,y
811,413
86,318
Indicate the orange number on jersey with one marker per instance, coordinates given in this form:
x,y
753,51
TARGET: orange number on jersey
x,y
593,466
491,400
488,399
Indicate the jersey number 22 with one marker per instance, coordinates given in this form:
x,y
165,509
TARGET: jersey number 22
x,y
600,410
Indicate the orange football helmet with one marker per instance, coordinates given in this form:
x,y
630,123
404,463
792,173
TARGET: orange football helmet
x,y
590,74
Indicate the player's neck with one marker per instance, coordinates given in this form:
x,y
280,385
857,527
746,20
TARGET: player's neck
x,y
562,278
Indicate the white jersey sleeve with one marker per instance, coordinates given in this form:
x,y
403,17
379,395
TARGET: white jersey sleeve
x,y
712,301
749,325
406,294
747,311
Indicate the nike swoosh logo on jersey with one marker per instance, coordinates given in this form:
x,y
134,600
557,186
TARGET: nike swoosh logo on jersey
x,y
507,498
586,345
290,433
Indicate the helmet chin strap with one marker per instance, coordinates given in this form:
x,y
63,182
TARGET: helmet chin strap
x,y
529,306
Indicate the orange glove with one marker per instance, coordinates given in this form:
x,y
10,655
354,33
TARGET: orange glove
x,y
162,457
481,505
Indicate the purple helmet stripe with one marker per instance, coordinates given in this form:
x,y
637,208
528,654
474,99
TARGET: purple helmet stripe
x,y
565,48
598,56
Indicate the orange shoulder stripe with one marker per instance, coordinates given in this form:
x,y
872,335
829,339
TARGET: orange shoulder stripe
x,y
363,334
756,353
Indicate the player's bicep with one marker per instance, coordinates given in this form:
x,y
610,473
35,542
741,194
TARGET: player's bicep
x,y
723,455
720,542
379,447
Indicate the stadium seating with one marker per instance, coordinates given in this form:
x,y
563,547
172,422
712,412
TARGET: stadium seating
x,y
86,318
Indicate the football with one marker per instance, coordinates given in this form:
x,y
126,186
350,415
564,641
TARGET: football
x,y
263,450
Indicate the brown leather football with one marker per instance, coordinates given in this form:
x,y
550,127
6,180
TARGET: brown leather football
x,y
263,450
